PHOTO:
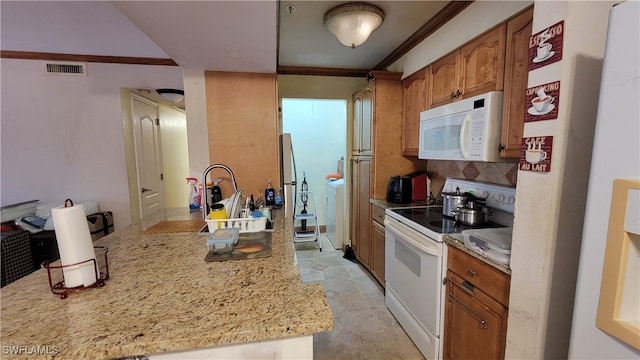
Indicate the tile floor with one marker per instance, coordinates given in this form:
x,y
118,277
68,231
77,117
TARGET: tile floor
x,y
363,326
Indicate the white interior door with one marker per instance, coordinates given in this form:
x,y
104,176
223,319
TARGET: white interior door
x,y
146,129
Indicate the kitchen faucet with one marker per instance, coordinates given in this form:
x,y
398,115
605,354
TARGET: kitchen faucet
x,y
205,206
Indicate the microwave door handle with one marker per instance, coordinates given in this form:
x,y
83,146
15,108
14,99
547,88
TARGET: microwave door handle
x,y
464,132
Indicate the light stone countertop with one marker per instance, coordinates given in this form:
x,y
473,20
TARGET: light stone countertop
x,y
162,296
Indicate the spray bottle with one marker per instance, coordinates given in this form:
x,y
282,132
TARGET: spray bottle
x,y
194,194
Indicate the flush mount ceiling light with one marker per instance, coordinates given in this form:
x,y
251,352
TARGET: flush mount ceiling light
x,y
171,95
352,23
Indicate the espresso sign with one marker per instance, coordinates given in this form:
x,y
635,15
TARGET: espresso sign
x,y
535,154
545,47
542,102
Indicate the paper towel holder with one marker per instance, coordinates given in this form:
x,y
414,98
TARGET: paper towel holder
x,y
59,288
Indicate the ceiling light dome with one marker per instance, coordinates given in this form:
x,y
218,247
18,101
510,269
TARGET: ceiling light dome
x,y
171,95
352,23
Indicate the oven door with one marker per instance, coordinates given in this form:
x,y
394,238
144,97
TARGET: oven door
x,y
414,272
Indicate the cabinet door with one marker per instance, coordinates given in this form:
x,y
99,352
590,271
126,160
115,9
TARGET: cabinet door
x,y
414,102
475,324
444,77
361,210
362,121
482,63
357,123
367,121
515,83
377,244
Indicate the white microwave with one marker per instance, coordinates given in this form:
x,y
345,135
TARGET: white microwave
x,y
468,129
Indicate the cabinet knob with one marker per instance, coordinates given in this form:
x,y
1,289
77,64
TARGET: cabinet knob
x,y
453,95
501,148
458,94
472,273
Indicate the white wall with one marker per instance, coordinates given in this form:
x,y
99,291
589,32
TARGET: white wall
x,y
197,129
318,132
175,156
62,136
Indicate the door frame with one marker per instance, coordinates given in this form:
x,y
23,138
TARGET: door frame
x,y
126,97
142,159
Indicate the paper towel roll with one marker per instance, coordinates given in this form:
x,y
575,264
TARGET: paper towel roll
x,y
75,245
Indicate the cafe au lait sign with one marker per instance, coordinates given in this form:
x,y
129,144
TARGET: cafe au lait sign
x,y
542,102
535,154
545,47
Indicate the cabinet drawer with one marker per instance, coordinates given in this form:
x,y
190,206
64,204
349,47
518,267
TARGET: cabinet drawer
x,y
377,213
493,282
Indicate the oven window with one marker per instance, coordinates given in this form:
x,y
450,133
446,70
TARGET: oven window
x,y
408,257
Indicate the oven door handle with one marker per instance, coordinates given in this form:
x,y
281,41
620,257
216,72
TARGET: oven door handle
x,y
407,235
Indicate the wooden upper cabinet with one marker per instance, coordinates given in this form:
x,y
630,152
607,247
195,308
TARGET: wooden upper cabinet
x,y
475,68
415,100
444,80
362,121
482,63
515,83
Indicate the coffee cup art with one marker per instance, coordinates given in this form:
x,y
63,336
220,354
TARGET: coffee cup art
x,y
543,50
535,156
542,103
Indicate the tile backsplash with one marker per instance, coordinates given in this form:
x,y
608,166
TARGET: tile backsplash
x,y
504,173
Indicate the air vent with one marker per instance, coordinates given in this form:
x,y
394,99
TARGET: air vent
x,y
65,68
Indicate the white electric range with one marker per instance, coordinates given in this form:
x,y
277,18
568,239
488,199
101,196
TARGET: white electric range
x,y
416,259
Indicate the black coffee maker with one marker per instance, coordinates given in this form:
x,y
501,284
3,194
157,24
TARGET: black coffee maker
x,y
399,190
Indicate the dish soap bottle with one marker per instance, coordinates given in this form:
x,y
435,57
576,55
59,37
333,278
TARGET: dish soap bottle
x,y
216,193
269,195
278,199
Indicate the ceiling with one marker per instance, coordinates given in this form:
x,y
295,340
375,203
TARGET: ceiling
x,y
250,36
243,35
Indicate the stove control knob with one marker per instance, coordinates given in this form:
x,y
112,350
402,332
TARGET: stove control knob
x,y
512,199
484,194
500,198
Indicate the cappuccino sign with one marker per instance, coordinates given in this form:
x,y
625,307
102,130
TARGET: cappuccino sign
x,y
535,154
542,102
545,47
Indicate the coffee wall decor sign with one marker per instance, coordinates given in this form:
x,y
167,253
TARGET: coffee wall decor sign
x,y
545,47
535,154
542,102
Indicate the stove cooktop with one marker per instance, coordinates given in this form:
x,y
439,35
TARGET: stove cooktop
x,y
432,219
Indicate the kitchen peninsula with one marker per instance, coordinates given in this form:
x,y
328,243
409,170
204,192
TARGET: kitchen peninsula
x,y
162,297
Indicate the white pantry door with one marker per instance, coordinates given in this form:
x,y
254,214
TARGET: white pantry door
x,y
146,132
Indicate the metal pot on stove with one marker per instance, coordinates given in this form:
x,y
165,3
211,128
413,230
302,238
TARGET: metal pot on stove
x,y
451,201
472,214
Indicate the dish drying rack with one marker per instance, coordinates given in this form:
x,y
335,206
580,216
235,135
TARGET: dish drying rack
x,y
245,225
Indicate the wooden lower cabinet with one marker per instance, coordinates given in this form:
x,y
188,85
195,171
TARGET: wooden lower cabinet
x,y
377,244
475,323
361,209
